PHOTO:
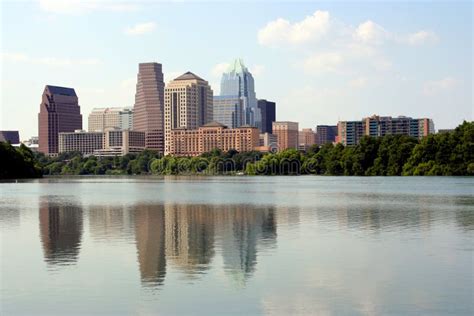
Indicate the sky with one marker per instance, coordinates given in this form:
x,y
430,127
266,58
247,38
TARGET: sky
x,y
319,61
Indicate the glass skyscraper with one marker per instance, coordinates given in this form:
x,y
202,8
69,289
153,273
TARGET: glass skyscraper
x,y
238,81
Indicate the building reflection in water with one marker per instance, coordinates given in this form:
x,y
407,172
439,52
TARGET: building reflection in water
x,y
61,231
150,240
183,236
189,237
110,222
243,228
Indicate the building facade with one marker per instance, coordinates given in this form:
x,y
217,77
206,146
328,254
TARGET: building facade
x,y
268,143
350,132
112,142
306,138
188,105
148,110
81,141
59,113
12,137
101,119
287,134
268,113
121,142
228,110
326,134
185,142
238,81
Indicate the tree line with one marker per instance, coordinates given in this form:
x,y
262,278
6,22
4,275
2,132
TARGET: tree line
x,y
449,153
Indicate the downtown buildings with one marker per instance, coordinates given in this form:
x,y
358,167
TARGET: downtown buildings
x,y
101,119
350,132
188,105
184,142
238,81
287,134
148,110
109,143
59,112
268,113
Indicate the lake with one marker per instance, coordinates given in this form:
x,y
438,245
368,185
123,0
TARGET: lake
x,y
237,245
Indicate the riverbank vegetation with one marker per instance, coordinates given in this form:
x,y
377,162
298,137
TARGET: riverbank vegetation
x,y
18,162
449,153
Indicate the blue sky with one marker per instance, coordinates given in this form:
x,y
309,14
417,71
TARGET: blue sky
x,y
320,62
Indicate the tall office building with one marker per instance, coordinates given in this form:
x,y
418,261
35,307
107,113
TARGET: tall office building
x,y
238,81
188,104
149,105
268,113
326,134
103,118
59,112
228,110
287,134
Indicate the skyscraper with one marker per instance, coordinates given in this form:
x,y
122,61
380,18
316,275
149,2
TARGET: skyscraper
x,y
149,105
228,110
188,104
238,81
59,112
268,113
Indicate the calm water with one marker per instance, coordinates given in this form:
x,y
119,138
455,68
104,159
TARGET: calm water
x,y
246,245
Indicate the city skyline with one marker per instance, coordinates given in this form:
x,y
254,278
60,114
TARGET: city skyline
x,y
320,63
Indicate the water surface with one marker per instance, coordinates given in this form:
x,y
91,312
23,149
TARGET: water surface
x,y
237,245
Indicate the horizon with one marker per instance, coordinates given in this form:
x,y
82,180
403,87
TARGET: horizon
x,y
394,60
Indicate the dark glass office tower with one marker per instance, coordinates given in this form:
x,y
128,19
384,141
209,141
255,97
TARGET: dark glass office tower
x,y
59,112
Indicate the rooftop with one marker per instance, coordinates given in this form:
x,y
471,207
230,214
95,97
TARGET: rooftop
x,y
214,124
237,66
61,90
189,76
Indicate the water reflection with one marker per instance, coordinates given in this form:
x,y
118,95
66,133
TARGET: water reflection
x,y
186,238
110,222
189,237
61,231
150,240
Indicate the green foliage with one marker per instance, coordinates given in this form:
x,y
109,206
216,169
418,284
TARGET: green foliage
x,y
393,155
18,162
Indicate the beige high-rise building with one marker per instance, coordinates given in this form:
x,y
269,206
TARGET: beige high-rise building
x,y
149,105
103,118
287,134
188,104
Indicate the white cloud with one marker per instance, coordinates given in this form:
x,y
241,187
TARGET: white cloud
x,y
257,70
434,87
219,69
422,37
140,28
323,62
49,61
83,6
370,32
358,83
281,31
